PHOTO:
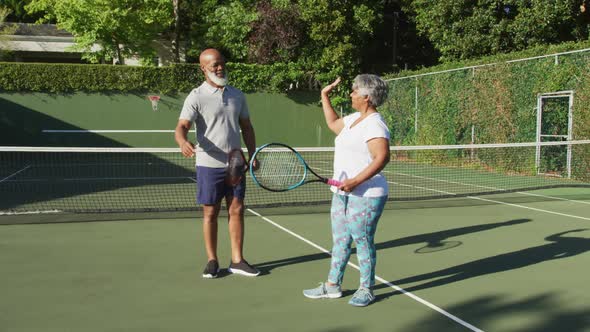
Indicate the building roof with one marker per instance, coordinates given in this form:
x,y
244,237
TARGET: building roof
x,y
38,38
40,30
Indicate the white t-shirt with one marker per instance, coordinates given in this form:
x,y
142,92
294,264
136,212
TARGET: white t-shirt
x,y
352,155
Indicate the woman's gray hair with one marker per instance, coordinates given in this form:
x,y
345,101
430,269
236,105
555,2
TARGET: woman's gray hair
x,y
372,86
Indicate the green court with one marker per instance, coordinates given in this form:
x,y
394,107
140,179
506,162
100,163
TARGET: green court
x,y
511,262
471,240
46,180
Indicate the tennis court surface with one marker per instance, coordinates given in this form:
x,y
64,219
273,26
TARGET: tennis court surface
x,y
474,240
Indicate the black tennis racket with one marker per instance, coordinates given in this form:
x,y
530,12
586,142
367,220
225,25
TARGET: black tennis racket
x,y
281,168
236,167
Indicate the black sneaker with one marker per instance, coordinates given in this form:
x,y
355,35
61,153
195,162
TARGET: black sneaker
x,y
211,270
243,268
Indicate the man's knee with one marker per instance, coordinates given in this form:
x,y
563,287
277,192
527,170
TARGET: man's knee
x,y
210,213
235,208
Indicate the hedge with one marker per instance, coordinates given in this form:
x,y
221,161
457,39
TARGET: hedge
x,y
499,101
64,78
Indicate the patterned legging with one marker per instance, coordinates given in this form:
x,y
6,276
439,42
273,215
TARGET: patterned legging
x,y
355,219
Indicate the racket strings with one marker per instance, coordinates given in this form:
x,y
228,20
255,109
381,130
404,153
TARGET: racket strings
x,y
279,169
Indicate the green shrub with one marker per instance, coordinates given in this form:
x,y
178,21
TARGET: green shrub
x,y
497,101
63,78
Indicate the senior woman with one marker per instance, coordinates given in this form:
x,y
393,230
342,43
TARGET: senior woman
x,y
361,152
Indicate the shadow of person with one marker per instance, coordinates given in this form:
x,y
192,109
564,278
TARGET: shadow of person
x,y
429,239
266,267
560,247
437,239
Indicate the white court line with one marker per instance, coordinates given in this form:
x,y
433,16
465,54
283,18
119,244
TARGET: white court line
x,y
486,187
478,186
397,288
401,290
531,208
13,174
29,212
487,200
101,179
441,180
127,178
498,202
483,199
554,197
86,131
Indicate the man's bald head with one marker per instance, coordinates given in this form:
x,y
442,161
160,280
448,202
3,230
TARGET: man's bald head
x,y
213,66
208,55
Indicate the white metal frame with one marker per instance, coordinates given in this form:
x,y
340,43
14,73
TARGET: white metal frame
x,y
551,95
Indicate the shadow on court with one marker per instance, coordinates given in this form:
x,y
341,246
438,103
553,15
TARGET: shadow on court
x,y
22,126
437,239
560,247
485,310
432,240
36,181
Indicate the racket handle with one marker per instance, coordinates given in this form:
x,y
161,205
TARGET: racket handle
x,y
333,182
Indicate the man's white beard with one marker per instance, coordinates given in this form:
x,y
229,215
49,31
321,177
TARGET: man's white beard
x,y
221,81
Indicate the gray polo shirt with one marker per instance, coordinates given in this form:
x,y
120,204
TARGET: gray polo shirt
x,y
216,113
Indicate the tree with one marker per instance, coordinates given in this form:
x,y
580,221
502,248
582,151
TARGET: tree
x,y
5,29
337,32
120,27
177,31
396,44
224,25
462,29
276,34
326,37
228,27
18,12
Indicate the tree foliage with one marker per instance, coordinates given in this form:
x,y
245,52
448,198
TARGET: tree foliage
x,y
5,29
276,34
176,78
497,99
223,26
337,31
324,37
18,12
120,27
462,29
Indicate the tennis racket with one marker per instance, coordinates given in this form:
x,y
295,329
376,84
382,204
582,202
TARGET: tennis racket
x,y
236,167
281,168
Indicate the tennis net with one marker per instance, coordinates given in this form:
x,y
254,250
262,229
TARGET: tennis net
x,y
90,180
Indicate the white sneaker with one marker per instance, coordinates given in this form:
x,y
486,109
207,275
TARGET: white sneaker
x,y
323,291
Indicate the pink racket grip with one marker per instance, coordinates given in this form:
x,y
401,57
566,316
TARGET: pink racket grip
x,y
333,182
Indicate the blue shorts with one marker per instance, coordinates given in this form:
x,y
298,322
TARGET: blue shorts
x,y
212,188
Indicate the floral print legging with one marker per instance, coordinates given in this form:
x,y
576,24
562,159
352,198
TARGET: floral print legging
x,y
354,219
